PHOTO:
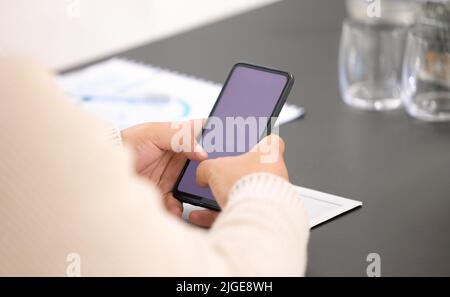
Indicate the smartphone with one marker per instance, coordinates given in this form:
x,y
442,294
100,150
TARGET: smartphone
x,y
249,92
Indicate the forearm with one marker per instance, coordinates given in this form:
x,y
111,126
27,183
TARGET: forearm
x,y
263,230
65,189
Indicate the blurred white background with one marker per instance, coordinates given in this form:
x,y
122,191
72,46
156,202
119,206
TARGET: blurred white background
x,y
62,33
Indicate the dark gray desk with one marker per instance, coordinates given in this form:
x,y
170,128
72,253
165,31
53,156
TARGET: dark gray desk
x,y
399,167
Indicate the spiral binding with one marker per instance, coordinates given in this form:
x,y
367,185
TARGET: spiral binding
x,y
163,69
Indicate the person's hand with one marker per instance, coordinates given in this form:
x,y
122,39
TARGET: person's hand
x,y
220,174
156,160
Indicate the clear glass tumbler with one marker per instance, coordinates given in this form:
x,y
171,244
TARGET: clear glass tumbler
x,y
426,73
370,64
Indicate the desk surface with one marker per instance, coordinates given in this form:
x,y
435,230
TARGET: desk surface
x,y
399,167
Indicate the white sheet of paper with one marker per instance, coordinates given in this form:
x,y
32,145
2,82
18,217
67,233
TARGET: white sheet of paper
x,y
320,207
126,93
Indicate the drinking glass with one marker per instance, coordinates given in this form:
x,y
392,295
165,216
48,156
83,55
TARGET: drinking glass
x,y
370,64
426,73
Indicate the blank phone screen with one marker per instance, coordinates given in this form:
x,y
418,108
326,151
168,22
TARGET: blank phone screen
x,y
249,92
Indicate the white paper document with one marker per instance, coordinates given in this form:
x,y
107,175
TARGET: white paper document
x,y
320,207
126,93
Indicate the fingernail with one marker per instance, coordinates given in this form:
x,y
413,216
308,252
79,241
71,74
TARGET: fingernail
x,y
200,151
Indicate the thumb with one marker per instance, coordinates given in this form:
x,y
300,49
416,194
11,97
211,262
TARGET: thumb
x,y
203,174
184,140
195,152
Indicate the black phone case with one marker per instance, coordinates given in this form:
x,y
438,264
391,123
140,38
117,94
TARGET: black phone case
x,y
212,204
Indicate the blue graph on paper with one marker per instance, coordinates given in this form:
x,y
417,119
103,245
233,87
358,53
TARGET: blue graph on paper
x,y
128,111
128,93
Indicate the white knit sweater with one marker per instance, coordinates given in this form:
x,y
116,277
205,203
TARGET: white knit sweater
x,y
66,188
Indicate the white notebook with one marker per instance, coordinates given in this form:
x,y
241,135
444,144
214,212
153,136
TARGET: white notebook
x,y
128,93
